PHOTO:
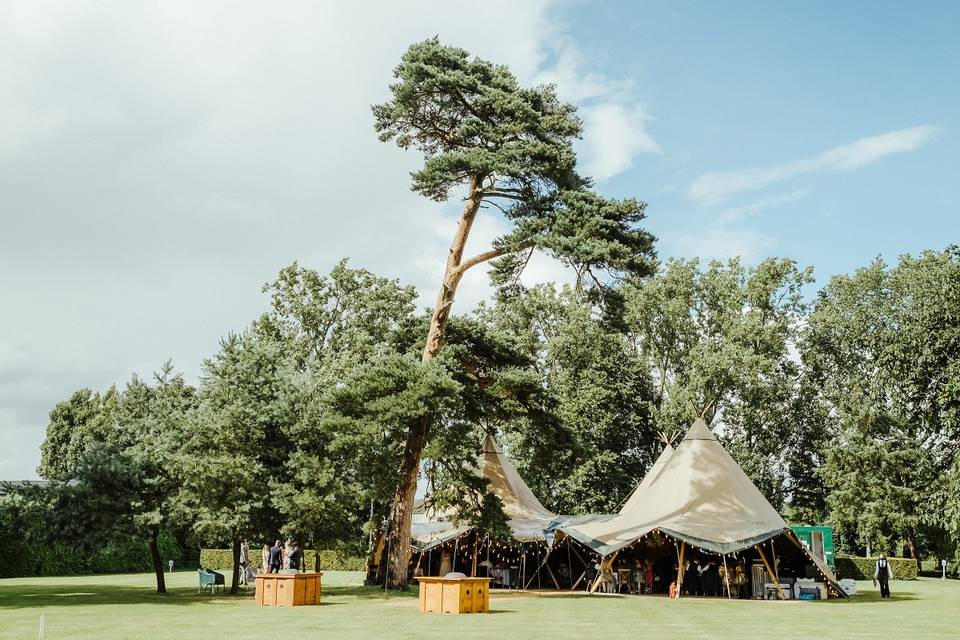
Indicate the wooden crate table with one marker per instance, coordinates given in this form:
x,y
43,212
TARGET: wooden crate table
x,y
454,594
288,590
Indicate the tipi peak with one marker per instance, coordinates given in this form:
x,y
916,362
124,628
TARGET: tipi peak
x,y
699,431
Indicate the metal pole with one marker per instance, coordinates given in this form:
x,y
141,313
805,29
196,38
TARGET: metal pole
x,y
569,565
726,574
370,535
523,565
456,549
538,569
488,555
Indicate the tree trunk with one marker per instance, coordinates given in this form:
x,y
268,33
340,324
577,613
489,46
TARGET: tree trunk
x,y
451,275
235,580
157,561
401,516
911,537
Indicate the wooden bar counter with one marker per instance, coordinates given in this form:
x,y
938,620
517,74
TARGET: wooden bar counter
x,y
288,590
454,594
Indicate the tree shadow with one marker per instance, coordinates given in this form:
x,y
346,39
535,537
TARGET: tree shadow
x,y
873,596
369,593
66,595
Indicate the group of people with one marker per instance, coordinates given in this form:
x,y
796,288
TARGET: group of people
x,y
276,558
702,578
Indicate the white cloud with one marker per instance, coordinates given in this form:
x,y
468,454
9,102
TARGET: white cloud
x,y
715,187
718,242
161,161
615,117
616,134
721,238
736,214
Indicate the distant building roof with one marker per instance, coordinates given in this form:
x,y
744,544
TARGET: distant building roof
x,y
14,486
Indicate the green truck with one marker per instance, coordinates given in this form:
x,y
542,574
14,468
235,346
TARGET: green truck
x,y
819,540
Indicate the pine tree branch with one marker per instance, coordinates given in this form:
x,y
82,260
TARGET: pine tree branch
x,y
474,261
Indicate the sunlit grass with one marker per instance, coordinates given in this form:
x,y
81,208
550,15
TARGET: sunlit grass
x,y
124,606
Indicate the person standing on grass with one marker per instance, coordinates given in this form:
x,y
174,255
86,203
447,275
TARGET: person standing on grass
x,y
265,556
244,559
276,557
295,559
882,574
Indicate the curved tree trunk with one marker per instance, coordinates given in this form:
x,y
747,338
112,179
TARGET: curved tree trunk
x,y
401,516
157,561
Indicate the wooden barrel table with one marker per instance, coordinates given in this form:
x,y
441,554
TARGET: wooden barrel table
x,y
454,594
288,589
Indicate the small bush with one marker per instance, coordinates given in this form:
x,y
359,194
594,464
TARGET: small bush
x,y
862,568
330,559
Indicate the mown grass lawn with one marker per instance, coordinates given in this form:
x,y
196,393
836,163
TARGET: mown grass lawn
x,y
124,606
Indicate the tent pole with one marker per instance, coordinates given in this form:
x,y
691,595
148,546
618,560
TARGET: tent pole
x,y
538,569
419,560
552,577
680,551
488,555
456,550
607,563
473,566
726,574
540,566
770,571
523,566
776,563
596,580
582,576
429,560
569,565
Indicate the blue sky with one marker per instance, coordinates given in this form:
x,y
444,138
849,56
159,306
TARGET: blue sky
x,y
755,85
160,161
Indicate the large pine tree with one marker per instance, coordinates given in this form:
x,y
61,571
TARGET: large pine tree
x,y
508,150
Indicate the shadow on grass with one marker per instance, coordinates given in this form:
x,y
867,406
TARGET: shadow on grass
x,y
557,595
872,596
65,595
369,593
71,594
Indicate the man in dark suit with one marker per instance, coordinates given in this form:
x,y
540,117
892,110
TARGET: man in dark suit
x,y
276,557
882,574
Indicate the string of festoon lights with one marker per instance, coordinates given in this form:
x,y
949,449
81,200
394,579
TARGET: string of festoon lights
x,y
514,551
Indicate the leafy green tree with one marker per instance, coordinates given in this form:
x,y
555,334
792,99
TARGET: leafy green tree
x,y
601,394
509,148
75,425
236,445
367,418
327,327
718,341
881,482
331,323
884,342
498,391
126,485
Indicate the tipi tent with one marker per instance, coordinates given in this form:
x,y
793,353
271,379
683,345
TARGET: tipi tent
x,y
595,519
527,517
699,496
637,495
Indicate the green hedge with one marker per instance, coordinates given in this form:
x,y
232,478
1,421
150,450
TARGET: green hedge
x,y
131,556
862,568
330,559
